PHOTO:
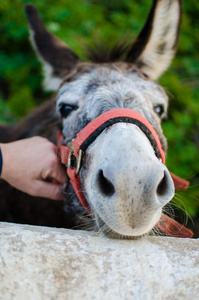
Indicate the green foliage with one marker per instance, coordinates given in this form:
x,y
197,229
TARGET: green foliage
x,y
5,112
80,22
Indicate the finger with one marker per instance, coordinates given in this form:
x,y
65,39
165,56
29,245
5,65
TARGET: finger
x,y
48,190
58,174
55,171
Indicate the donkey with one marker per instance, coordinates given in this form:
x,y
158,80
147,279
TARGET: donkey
x,y
124,182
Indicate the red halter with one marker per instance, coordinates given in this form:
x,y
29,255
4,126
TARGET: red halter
x,y
72,153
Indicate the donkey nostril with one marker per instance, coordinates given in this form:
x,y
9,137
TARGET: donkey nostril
x,y
163,186
105,186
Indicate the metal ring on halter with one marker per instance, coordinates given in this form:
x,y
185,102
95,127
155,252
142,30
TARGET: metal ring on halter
x,y
69,158
79,158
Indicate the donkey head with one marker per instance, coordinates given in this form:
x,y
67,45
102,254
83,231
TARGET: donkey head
x,y
124,182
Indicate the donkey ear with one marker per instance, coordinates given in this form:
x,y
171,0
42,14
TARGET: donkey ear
x,y
155,47
56,57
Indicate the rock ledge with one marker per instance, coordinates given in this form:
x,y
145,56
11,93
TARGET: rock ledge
x,y
48,263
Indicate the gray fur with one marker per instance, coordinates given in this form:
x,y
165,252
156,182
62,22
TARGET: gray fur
x,y
113,86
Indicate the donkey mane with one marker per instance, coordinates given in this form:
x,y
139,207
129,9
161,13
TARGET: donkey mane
x,y
101,52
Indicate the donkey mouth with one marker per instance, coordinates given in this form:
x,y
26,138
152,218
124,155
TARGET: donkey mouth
x,y
105,230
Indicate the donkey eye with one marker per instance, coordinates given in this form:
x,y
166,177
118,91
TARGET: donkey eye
x,y
66,109
159,110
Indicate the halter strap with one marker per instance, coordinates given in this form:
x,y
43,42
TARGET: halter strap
x,y
72,153
91,131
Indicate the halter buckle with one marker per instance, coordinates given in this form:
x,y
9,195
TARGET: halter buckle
x,y
78,158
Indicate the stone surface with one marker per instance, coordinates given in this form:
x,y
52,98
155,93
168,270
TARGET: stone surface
x,y
49,263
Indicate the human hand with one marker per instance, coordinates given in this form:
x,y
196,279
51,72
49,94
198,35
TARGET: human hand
x,y
32,166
